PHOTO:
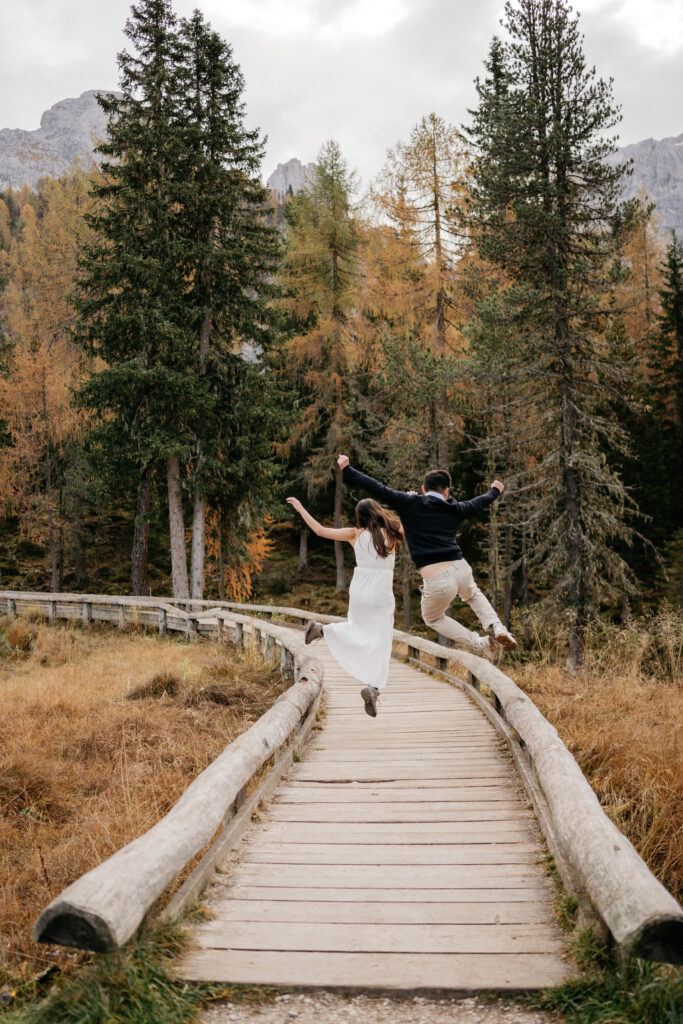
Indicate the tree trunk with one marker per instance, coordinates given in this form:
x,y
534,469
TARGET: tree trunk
x,y
525,599
52,536
60,561
198,545
221,567
493,552
434,432
138,560
507,588
79,555
338,545
303,549
625,609
177,530
48,482
576,596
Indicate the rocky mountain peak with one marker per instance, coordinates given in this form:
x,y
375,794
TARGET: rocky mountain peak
x,y
291,174
69,129
658,168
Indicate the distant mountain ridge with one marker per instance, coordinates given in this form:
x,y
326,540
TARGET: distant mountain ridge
x,y
658,167
71,128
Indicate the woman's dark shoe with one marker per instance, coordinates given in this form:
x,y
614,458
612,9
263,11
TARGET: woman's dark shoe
x,y
314,631
370,695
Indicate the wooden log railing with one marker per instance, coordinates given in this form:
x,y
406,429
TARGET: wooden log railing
x,y
594,860
101,910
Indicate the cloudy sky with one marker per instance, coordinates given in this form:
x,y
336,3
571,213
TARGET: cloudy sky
x,y
359,71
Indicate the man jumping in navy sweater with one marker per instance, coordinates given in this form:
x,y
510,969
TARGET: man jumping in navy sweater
x,y
430,521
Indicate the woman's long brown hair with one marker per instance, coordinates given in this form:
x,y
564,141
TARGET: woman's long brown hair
x,y
384,527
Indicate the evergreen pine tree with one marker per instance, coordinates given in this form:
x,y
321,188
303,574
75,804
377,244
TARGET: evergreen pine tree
x,y
546,210
174,291
130,301
230,252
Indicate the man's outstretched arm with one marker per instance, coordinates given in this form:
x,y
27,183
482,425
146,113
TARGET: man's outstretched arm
x,y
394,499
482,501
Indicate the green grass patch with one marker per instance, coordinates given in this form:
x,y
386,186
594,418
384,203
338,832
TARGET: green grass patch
x,y
131,986
639,993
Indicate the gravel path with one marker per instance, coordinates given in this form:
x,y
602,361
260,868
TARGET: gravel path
x,y
328,1008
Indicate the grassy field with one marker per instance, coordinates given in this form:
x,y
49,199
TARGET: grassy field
x,y
101,733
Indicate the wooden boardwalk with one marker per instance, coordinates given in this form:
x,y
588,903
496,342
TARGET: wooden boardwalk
x,y
399,853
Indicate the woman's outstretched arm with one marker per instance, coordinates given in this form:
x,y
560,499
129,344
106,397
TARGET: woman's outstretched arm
x,y
348,533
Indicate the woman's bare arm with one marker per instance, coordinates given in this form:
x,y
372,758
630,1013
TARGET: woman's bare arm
x,y
347,533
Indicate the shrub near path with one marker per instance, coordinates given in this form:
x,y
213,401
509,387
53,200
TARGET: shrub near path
x,y
84,768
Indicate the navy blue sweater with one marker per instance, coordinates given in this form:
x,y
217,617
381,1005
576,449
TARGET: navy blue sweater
x,y
429,523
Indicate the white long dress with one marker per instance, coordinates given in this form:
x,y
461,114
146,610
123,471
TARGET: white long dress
x,y
362,644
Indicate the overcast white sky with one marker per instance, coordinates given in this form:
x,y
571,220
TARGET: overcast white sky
x,y
359,71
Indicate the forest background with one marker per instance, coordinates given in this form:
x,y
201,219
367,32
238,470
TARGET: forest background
x,y
181,349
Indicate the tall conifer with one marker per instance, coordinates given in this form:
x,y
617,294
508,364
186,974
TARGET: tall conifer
x,y
546,209
177,283
230,256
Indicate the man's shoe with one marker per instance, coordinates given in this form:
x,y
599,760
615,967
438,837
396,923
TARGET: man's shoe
x,y
370,695
504,638
314,631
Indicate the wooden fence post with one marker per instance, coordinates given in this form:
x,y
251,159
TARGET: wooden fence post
x,y
87,613
163,622
52,611
122,616
287,664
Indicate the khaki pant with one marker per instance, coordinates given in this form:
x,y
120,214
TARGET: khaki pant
x,y
438,592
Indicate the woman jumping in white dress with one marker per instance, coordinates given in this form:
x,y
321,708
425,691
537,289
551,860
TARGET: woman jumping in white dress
x,y
362,644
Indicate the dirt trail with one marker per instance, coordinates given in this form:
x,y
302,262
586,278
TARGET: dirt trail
x,y
328,1008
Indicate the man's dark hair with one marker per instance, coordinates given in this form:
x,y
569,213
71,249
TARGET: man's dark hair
x,y
437,480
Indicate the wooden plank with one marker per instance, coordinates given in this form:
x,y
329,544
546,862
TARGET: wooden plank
x,y
512,972
398,833
339,912
263,852
396,774
357,937
439,797
422,876
491,764
360,896
398,781
401,755
424,813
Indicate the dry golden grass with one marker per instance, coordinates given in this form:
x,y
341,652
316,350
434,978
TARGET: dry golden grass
x,y
622,718
84,769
